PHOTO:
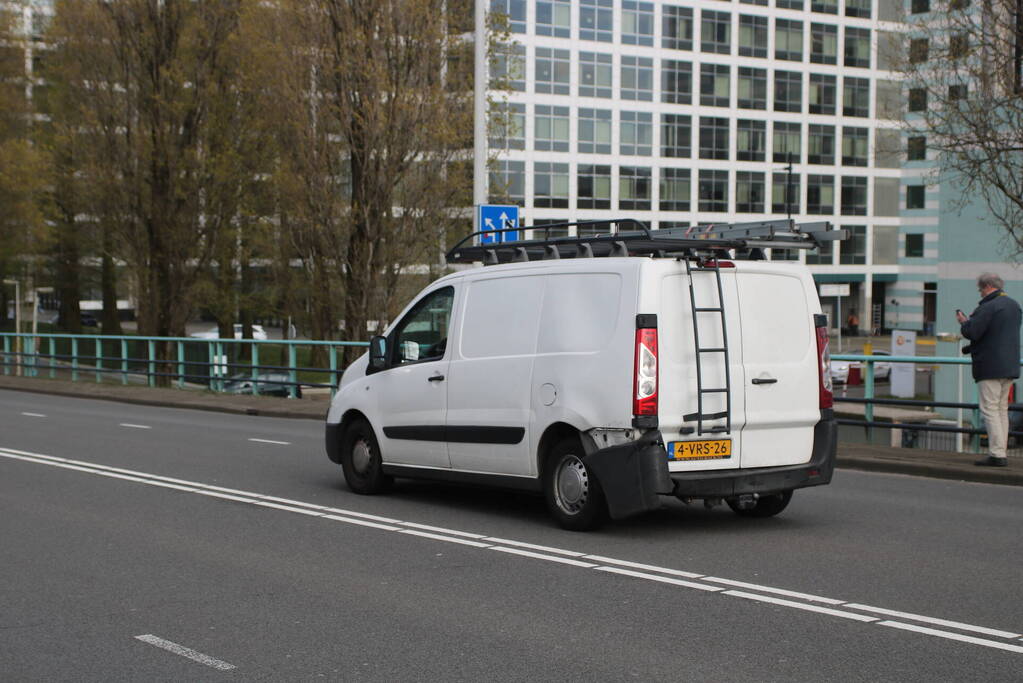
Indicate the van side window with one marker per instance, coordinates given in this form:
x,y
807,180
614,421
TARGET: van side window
x,y
423,334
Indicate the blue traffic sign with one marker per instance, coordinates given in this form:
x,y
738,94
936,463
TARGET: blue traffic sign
x,y
497,217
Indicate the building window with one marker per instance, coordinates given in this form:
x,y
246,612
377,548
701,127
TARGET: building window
x,y
676,27
854,248
957,92
594,131
676,189
857,8
920,6
915,196
823,44
917,99
551,128
785,193
637,133
596,20
914,245
637,78
856,96
918,49
916,149
716,32
715,89
752,88
854,196
508,68
751,140
515,10
552,71
554,18
762,3
507,181
508,126
594,187
752,36
637,23
634,188
550,185
820,194
857,47
788,91
824,6
820,145
749,192
595,74
676,136
958,45
542,232
676,81
789,4
713,138
823,91
788,40
713,189
854,146
787,142
824,255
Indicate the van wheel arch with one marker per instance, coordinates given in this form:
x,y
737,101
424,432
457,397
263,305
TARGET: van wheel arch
x,y
555,433
347,419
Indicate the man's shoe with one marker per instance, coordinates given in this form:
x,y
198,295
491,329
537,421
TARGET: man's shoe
x,y
992,461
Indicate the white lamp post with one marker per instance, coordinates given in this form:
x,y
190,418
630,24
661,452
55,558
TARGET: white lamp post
x,y
17,319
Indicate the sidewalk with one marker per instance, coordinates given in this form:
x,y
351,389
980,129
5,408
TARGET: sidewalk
x,y
937,464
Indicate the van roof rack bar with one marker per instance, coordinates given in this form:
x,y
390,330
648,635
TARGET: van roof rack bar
x,y
747,239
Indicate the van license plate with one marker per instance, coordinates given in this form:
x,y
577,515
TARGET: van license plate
x,y
700,450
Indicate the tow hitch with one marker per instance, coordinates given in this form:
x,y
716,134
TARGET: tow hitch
x,y
747,501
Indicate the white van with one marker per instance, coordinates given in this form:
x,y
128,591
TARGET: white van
x,y
611,371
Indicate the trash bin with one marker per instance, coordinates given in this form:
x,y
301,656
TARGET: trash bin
x,y
854,378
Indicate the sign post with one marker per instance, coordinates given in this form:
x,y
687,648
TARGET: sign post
x,y
903,375
497,217
837,291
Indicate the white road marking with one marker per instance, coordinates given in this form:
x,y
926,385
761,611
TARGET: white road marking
x,y
931,620
952,636
186,652
133,426
33,415
799,605
551,554
277,443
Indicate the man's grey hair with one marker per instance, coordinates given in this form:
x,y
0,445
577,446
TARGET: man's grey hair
x,y
990,280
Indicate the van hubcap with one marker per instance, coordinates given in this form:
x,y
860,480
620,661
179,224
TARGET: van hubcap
x,y
361,456
572,484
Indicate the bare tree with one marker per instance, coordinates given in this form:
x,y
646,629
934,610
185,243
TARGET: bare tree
x,y
963,70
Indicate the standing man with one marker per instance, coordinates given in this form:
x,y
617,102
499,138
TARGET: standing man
x,y
993,330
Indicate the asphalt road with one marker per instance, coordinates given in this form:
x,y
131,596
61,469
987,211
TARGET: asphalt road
x,y
876,577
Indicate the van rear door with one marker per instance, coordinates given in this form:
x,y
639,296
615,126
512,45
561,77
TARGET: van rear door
x,y
779,356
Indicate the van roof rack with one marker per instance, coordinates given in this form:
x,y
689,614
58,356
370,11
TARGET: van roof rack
x,y
746,239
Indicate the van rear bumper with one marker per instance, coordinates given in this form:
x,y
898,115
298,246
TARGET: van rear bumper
x,y
766,480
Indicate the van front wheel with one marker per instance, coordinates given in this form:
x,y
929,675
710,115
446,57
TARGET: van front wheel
x,y
766,506
573,494
360,460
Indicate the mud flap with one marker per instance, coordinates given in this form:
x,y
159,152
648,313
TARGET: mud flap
x,y
632,475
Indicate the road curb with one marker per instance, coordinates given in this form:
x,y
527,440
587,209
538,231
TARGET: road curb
x,y
980,475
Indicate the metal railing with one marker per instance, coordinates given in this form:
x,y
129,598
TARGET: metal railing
x,y
869,399
221,365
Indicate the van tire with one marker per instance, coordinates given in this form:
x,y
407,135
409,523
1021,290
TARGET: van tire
x,y
361,462
573,494
766,506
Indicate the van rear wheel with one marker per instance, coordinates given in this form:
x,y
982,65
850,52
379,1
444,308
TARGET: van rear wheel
x,y
573,494
766,506
360,460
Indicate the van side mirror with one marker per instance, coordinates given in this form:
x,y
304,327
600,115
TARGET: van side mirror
x,y
378,353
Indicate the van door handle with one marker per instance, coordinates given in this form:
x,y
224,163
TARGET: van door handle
x,y
435,378
768,380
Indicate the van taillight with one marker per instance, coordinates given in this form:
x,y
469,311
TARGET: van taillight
x,y
645,373
718,264
824,366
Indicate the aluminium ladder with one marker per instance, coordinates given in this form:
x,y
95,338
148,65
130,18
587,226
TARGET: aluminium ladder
x,y
713,266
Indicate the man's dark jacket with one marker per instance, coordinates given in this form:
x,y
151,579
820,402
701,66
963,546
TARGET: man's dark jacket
x,y
994,330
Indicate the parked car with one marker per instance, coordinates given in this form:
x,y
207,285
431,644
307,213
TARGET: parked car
x,y
257,333
89,320
840,368
579,378
266,383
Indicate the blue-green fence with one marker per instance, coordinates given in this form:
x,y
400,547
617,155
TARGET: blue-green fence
x,y
236,365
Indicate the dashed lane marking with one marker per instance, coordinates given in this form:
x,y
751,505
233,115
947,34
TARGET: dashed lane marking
x,y
33,414
134,426
276,443
211,662
664,575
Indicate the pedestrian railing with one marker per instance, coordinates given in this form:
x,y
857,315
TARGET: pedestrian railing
x,y
870,400
253,366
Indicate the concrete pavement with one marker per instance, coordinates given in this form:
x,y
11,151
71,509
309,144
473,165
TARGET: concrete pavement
x,y
869,457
